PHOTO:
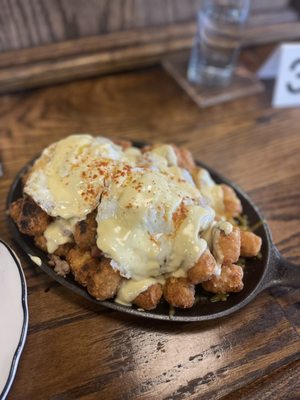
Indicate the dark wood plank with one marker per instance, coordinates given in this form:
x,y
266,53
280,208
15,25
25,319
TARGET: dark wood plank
x,y
61,62
152,356
38,22
268,388
265,4
44,42
270,17
95,44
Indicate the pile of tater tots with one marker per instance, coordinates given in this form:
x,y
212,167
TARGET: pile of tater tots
x,y
137,225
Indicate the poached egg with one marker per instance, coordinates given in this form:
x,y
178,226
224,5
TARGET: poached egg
x,y
150,213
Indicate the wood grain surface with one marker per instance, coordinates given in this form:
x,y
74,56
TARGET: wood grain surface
x,y
44,42
30,23
243,83
77,350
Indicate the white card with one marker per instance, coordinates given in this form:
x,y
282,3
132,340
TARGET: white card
x,y
284,65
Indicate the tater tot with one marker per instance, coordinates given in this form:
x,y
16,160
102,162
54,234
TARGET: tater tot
x,y
82,264
15,209
149,299
203,269
85,232
227,247
184,158
62,250
179,292
25,177
230,280
232,204
125,144
146,148
250,244
29,217
104,282
41,242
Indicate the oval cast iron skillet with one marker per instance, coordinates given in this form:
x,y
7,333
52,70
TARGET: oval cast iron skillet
x,y
271,270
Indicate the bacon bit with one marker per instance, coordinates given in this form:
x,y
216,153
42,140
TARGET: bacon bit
x,y
129,205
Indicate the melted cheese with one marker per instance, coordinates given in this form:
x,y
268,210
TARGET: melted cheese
x,y
130,289
210,190
152,218
167,152
221,226
225,227
179,273
36,260
149,224
69,177
59,232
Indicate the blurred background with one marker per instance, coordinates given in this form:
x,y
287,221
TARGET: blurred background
x,y
44,42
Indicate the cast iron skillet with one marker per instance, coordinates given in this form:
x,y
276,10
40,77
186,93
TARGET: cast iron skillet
x,y
271,270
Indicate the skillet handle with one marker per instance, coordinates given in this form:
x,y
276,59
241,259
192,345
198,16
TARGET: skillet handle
x,y
282,272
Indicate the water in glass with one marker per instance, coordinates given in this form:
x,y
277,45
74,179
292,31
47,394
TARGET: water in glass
x,y
216,45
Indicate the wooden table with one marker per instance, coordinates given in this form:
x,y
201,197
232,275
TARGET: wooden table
x,y
77,350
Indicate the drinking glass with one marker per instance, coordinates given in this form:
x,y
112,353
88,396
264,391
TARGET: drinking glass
x,y
217,43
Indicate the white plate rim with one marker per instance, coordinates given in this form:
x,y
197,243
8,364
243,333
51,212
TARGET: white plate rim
x,y
23,334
